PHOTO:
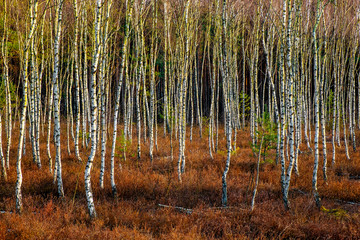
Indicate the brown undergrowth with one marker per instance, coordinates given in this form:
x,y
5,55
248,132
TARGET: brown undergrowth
x,y
142,187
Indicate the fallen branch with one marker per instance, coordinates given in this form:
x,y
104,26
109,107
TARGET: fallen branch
x,y
6,212
230,208
347,202
180,209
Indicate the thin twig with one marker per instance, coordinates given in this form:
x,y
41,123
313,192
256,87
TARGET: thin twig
x,y
180,209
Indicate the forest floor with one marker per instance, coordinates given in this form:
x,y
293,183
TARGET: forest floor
x,y
143,188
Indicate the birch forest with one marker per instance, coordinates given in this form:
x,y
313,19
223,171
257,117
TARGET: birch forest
x,y
180,119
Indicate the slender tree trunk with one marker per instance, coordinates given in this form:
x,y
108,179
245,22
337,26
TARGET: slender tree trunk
x,y
25,75
77,82
94,108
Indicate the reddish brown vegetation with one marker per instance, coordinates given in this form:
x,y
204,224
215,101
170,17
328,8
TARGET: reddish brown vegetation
x,y
141,187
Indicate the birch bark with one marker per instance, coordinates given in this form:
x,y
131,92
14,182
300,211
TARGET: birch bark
x,y
93,110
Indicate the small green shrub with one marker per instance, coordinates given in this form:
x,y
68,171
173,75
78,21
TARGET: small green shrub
x,y
267,130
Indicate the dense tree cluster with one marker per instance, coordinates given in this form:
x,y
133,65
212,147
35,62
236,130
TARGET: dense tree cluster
x,y
106,65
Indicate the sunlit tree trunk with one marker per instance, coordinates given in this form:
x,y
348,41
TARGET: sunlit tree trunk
x,y
129,9
351,94
319,11
227,82
322,104
139,70
5,162
153,57
104,72
50,110
213,88
77,81
166,66
25,76
2,158
282,106
335,99
55,81
94,108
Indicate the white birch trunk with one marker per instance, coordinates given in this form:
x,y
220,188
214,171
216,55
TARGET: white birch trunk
x,y
117,98
25,76
93,110
77,81
316,102
104,80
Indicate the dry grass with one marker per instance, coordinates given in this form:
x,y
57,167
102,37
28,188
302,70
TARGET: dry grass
x,y
142,187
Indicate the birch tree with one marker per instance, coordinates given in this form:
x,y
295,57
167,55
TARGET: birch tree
x,y
129,12
25,75
94,108
77,80
5,76
8,108
55,82
104,71
319,11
